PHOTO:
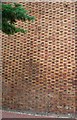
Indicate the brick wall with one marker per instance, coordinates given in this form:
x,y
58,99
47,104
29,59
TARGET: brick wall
x,y
76,56
39,66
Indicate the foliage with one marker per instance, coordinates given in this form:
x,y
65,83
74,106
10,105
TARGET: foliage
x,y
10,14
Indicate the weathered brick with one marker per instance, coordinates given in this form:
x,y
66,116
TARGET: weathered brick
x,y
39,66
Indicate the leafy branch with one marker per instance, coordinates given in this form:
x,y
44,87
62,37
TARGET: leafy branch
x,y
10,14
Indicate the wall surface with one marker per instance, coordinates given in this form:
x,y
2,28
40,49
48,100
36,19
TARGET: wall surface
x,y
39,66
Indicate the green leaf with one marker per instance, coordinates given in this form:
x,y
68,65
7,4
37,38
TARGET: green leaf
x,y
10,14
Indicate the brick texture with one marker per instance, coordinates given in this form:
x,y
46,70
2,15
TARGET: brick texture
x,y
76,56
39,66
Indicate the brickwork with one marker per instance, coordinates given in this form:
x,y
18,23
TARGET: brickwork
x,y
76,55
39,66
